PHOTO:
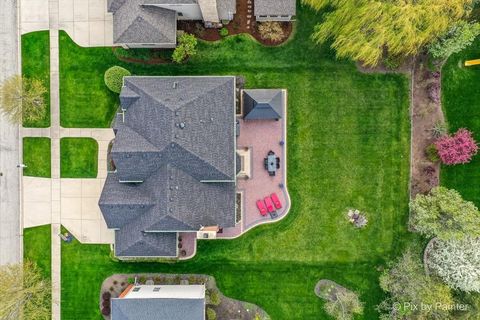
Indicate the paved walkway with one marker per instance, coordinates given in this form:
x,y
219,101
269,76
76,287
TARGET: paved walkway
x,y
87,22
11,247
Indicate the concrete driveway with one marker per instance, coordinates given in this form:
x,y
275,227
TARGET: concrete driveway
x,y
78,207
87,22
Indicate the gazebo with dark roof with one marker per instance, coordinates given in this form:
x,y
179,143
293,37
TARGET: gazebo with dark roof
x,y
263,104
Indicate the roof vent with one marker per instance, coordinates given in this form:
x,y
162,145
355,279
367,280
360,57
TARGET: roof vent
x,y
175,85
211,119
182,125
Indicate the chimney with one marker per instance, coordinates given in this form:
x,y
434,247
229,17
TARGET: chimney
x,y
209,10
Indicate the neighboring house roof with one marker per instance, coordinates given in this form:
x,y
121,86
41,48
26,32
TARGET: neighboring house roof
x,y
274,7
134,22
263,104
226,9
170,302
175,146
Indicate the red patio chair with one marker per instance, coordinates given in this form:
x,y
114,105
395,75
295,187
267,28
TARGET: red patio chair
x,y
275,200
261,207
269,204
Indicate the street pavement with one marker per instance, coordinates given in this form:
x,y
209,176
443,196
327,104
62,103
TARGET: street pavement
x,y
10,176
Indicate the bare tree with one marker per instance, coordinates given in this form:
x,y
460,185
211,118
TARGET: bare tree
x,y
23,98
24,293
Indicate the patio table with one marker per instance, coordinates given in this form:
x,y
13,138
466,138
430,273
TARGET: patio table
x,y
272,163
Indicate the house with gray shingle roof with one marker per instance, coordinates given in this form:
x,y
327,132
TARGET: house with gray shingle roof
x,y
153,23
160,302
274,10
175,157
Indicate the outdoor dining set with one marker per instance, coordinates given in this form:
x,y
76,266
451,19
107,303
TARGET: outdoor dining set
x,y
271,163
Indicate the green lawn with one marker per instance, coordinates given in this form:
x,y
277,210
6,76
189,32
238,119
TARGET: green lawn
x,y
36,156
461,104
37,247
348,146
78,158
36,64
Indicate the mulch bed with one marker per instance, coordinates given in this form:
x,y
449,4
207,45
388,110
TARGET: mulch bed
x,y
425,114
330,287
209,34
150,61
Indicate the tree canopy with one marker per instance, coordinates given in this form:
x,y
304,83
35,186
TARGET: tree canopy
x,y
24,294
457,262
444,214
23,98
364,29
411,292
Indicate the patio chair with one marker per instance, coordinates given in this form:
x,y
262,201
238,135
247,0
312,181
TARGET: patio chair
x,y
276,201
271,173
265,163
278,163
261,207
269,204
271,153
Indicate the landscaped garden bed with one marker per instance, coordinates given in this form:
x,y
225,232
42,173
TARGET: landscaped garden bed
x,y
223,307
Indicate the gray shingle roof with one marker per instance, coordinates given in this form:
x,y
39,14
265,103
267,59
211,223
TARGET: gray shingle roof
x,y
134,22
263,104
176,140
274,7
226,9
135,243
158,309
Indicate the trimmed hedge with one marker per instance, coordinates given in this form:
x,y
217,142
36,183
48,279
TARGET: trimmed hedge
x,y
114,78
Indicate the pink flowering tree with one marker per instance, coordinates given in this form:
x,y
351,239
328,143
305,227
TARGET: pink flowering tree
x,y
457,148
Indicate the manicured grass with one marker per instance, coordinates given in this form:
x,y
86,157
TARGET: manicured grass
x,y
37,247
348,146
36,156
36,64
461,104
78,158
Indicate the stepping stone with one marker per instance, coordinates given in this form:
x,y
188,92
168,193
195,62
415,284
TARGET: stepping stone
x,y
248,27
248,21
249,16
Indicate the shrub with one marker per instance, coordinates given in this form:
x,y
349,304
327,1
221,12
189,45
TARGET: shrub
x,y
457,38
432,153
457,262
211,314
186,48
106,295
433,90
439,129
142,280
456,149
224,32
106,311
392,62
106,303
271,30
444,214
115,282
345,306
131,280
215,298
114,78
